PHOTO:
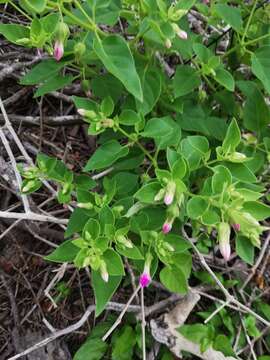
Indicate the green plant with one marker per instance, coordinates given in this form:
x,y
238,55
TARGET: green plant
x,y
190,150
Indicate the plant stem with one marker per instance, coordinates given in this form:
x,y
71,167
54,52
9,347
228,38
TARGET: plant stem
x,y
249,21
20,10
146,152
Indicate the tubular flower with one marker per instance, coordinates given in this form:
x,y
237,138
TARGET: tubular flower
x,y
179,32
58,50
224,231
145,277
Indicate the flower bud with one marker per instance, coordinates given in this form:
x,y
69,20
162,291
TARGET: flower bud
x,y
29,185
168,43
179,32
145,277
170,192
103,271
87,206
124,241
224,231
237,157
107,123
58,50
62,32
167,226
79,49
236,227
159,195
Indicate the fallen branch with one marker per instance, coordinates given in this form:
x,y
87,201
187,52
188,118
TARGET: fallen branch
x,y
164,330
48,120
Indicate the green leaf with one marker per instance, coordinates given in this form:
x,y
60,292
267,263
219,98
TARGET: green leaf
x,y
107,106
261,65
174,279
256,111
222,343
114,263
241,172
129,117
124,344
194,149
179,244
179,168
257,209
116,56
148,192
104,290
221,179
151,87
224,78
231,15
106,155
250,324
41,72
195,332
76,222
36,5
210,217
13,32
54,83
232,138
65,252
131,253
245,249
94,348
91,228
185,80
158,127
196,207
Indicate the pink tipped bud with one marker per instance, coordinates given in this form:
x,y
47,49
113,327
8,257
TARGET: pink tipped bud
x,y
167,227
58,50
224,231
145,277
182,34
168,199
236,227
170,192
145,280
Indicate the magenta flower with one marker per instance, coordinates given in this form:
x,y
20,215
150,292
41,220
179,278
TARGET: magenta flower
x,y
145,280
167,227
236,227
169,193
58,50
145,277
225,250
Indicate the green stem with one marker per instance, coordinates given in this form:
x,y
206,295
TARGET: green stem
x,y
248,22
146,152
250,42
79,6
20,10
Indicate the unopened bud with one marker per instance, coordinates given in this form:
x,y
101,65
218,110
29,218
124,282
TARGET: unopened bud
x,y
79,49
107,123
236,227
28,186
167,226
179,32
170,192
168,246
58,50
237,157
87,206
160,195
168,43
224,232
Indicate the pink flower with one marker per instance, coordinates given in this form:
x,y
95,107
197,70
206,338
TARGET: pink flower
x,y
236,227
145,277
58,50
145,280
168,199
167,227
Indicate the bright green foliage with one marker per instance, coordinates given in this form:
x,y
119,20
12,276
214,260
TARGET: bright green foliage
x,y
183,140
